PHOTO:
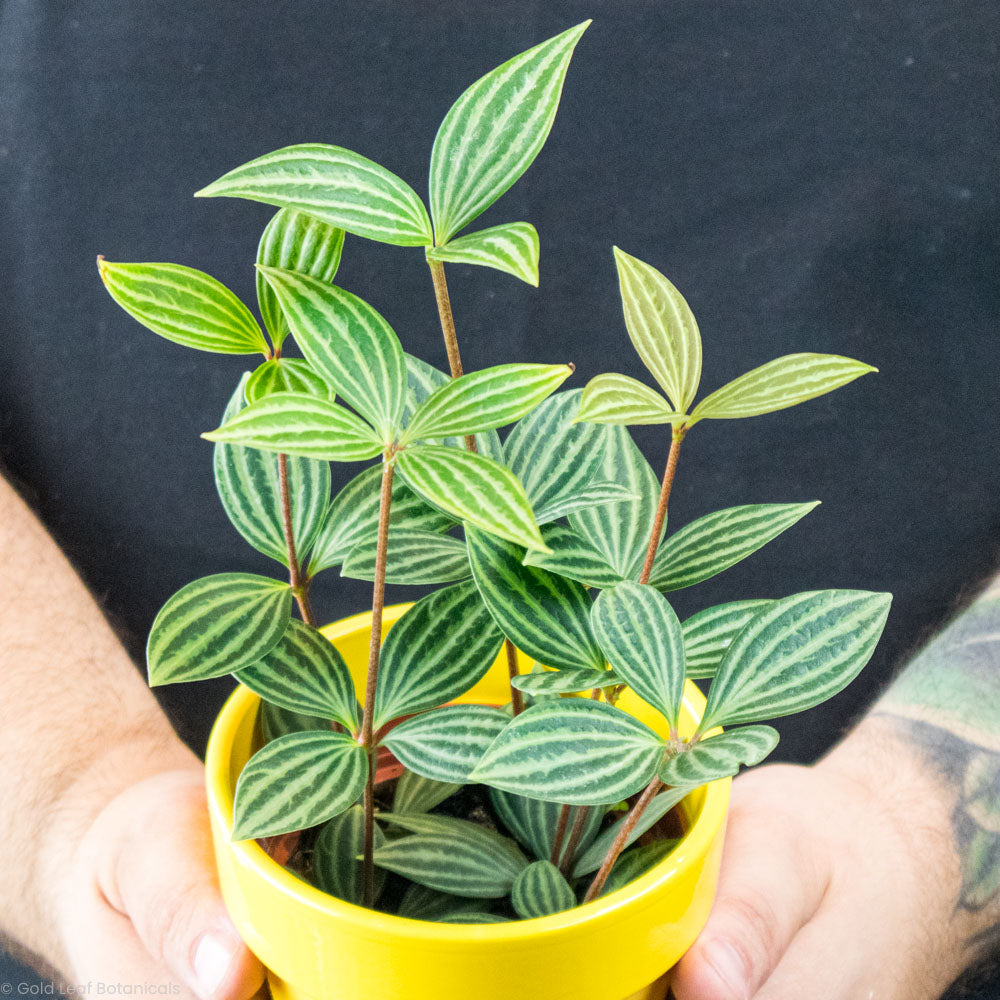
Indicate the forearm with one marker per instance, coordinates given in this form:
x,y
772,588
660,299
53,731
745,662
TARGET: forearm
x,y
79,723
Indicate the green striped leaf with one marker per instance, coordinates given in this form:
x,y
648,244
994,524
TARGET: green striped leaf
x,y
512,247
592,495
621,530
340,187
541,889
421,903
298,424
641,637
574,751
250,490
413,557
417,794
484,400
781,383
573,555
707,634
473,917
452,855
575,681
216,625
305,673
795,654
618,399
662,329
719,756
713,543
335,865
186,306
592,857
276,721
544,615
442,646
494,131
348,343
353,517
472,488
534,822
446,744
298,781
285,375
295,241
637,862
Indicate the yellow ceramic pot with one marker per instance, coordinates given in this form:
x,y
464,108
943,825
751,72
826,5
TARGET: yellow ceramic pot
x,y
317,947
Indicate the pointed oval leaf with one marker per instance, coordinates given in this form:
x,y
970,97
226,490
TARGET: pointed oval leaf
x,y
472,488
662,329
719,756
512,247
336,185
186,306
286,375
618,399
413,557
305,673
276,721
779,384
442,646
713,543
484,400
422,903
541,889
594,494
295,241
495,130
576,681
348,343
637,862
216,625
575,751
544,615
297,424
573,555
799,652
335,865
534,822
641,637
417,794
298,781
707,634
446,744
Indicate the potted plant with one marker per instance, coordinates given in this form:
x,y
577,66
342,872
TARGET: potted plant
x,y
511,787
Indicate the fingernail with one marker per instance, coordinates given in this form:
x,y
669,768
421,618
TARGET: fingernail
x,y
213,956
728,966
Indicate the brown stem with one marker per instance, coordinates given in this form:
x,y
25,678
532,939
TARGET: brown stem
x,y
635,814
575,835
661,507
300,585
560,834
516,698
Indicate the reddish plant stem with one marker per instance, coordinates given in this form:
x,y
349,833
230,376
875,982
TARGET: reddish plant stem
x,y
560,834
575,835
661,508
516,698
299,585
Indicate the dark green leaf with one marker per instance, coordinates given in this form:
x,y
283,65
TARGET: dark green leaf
x,y
573,555
335,865
637,862
276,721
541,889
707,634
417,794
534,822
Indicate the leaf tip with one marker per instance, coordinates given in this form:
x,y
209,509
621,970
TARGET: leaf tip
x,y
571,367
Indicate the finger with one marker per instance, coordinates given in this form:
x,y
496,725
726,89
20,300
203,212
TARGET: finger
x,y
770,885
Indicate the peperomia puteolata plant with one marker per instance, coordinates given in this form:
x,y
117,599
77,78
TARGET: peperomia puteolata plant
x,y
517,535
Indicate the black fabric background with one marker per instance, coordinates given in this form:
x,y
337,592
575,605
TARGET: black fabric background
x,y
816,176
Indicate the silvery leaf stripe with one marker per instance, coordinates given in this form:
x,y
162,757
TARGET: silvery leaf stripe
x,y
708,633
719,756
541,889
512,247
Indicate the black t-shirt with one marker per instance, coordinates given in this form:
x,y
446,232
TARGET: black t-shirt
x,y
813,177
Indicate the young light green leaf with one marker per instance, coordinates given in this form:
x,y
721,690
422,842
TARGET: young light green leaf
x,y
446,744
795,654
621,530
413,557
641,637
250,490
541,889
512,247
305,673
298,781
781,383
662,328
473,489
494,131
719,540
544,615
637,862
707,634
295,241
574,751
442,646
573,555
484,400
452,855
347,342
336,185
719,756
618,399
298,424
286,375
534,823
417,794
216,625
566,681
335,865
186,306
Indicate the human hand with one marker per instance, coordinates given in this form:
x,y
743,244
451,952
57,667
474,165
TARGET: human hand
x,y
838,882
